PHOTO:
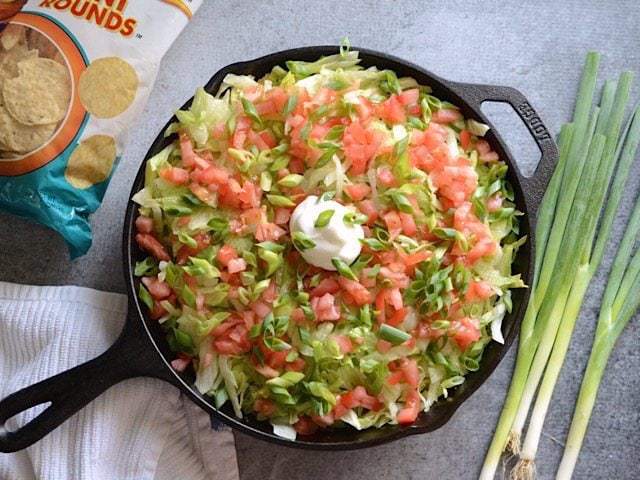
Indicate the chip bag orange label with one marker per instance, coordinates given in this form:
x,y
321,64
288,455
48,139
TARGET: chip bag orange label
x,y
74,74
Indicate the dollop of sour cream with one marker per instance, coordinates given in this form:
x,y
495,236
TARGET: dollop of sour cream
x,y
336,239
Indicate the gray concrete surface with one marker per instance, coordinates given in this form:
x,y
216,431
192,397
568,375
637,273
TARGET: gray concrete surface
x,y
538,48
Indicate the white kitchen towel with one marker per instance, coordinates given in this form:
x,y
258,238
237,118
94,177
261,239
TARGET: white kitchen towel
x,y
140,429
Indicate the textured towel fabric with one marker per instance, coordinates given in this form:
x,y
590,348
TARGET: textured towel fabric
x,y
140,429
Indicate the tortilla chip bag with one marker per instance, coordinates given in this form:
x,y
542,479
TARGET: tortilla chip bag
x,y
74,74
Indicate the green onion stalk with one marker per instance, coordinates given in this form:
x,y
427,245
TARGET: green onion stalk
x,y
552,222
583,257
614,301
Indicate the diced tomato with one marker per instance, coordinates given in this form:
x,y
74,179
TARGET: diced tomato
x,y
360,146
489,157
494,203
249,195
231,337
398,317
358,397
369,209
397,277
296,366
149,243
394,298
144,224
159,290
325,308
305,426
297,315
393,222
175,175
415,258
180,364
323,420
186,151
212,175
409,97
226,254
465,139
243,125
392,110
339,410
282,216
409,369
409,413
326,285
465,331
385,177
236,265
271,293
344,343
478,291
357,191
446,115
265,406
269,232
364,108
482,146
383,346
408,224
358,293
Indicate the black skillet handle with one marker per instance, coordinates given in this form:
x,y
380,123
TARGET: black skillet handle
x,y
130,356
535,185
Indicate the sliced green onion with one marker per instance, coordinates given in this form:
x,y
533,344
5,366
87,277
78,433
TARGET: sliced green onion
x,y
146,267
290,105
145,296
343,269
250,110
392,334
291,180
280,201
324,218
354,218
302,241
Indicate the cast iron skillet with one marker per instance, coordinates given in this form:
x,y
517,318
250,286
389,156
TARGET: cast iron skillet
x,y
141,350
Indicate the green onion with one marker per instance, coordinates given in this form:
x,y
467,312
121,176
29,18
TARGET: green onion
x,y
343,269
291,180
250,110
401,201
187,240
392,334
280,201
590,149
145,296
550,231
324,218
373,243
146,267
290,105
302,241
354,218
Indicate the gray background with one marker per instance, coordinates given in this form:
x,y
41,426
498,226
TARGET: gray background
x,y
537,49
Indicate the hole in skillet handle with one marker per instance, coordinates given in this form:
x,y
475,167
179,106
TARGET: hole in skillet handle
x,y
535,185
68,392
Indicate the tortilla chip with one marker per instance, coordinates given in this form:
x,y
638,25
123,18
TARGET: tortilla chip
x,y
108,87
22,138
91,162
9,61
13,35
40,94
